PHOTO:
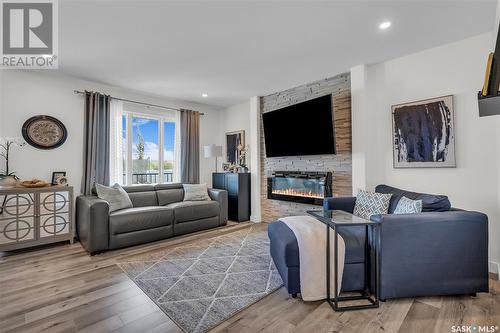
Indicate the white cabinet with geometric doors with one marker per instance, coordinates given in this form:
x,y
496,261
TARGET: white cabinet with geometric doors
x,y
37,216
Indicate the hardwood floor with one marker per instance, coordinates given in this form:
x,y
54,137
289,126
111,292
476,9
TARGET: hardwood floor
x,y
62,289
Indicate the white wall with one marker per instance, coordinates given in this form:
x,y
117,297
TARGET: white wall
x,y
360,96
496,27
28,93
456,69
255,149
2,101
210,129
497,22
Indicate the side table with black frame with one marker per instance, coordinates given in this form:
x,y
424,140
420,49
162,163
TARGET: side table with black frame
x,y
334,219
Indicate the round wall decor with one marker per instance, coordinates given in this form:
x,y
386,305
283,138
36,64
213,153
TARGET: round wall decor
x,y
44,132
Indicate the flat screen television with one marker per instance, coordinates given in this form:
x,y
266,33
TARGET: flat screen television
x,y
301,129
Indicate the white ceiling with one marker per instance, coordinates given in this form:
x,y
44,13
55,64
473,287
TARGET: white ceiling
x,y
234,50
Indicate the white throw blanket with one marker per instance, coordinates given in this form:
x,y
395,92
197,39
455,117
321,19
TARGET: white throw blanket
x,y
311,238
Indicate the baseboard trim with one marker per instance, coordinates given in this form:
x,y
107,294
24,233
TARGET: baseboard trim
x,y
494,267
255,219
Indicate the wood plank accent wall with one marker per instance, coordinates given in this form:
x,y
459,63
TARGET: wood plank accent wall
x,y
340,164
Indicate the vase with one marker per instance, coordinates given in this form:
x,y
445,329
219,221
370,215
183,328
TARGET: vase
x,y
8,181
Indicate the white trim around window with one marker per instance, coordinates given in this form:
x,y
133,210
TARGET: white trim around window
x,y
149,176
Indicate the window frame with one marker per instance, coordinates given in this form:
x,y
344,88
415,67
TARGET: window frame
x,y
162,119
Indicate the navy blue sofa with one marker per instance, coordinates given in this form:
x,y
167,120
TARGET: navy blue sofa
x,y
441,251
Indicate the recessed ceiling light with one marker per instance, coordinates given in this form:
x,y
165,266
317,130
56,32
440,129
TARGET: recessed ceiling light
x,y
384,25
204,95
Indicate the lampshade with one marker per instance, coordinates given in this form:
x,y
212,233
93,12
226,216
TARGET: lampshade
x,y
212,151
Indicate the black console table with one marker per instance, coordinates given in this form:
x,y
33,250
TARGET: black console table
x,y
237,186
334,219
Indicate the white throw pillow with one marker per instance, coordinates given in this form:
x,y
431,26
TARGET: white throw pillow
x,y
115,195
408,206
371,203
196,192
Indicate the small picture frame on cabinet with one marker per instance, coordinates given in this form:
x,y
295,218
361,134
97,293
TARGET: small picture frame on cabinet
x,y
56,177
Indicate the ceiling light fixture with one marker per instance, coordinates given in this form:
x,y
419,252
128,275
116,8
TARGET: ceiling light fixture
x,y
204,95
384,25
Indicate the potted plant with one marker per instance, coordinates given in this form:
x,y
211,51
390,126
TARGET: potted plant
x,y
7,178
242,157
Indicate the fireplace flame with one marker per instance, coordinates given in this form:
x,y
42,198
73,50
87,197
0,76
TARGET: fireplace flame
x,y
295,193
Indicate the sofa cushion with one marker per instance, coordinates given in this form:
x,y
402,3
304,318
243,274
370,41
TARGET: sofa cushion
x,y
196,192
188,227
430,202
166,197
142,195
371,203
408,206
140,218
169,193
144,199
194,210
116,196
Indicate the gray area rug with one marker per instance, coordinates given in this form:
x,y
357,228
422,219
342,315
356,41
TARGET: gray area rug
x,y
201,285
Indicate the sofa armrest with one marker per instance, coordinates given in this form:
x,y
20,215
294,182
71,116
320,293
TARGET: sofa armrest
x,y
221,197
340,203
92,223
433,253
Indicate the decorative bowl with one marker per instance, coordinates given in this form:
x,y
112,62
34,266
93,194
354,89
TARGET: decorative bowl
x,y
34,183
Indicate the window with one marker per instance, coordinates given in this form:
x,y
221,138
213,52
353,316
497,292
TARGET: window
x,y
150,148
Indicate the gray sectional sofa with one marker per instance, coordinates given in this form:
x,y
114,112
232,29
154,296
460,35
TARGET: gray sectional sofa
x,y
158,212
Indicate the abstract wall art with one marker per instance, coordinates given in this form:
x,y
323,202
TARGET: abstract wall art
x,y
423,134
233,140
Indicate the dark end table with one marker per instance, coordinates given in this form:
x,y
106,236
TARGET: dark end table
x,y
334,219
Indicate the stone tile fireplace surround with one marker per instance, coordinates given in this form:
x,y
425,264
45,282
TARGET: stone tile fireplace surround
x,y
340,164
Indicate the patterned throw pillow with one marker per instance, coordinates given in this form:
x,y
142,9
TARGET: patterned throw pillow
x,y
195,192
371,203
116,196
408,206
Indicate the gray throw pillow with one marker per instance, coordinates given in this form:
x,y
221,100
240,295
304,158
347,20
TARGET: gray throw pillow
x,y
195,192
371,203
408,206
115,195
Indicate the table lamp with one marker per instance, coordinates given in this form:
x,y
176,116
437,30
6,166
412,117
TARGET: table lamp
x,y
213,151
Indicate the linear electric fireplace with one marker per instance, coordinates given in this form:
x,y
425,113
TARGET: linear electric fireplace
x,y
300,186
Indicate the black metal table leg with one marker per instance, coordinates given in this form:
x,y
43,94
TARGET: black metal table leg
x,y
336,263
365,293
377,266
327,262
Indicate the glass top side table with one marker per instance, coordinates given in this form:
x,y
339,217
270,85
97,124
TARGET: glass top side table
x,y
334,219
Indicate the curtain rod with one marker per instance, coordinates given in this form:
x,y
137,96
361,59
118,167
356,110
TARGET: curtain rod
x,y
136,102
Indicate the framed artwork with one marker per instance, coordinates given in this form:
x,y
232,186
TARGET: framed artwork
x,y
57,176
233,140
423,134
